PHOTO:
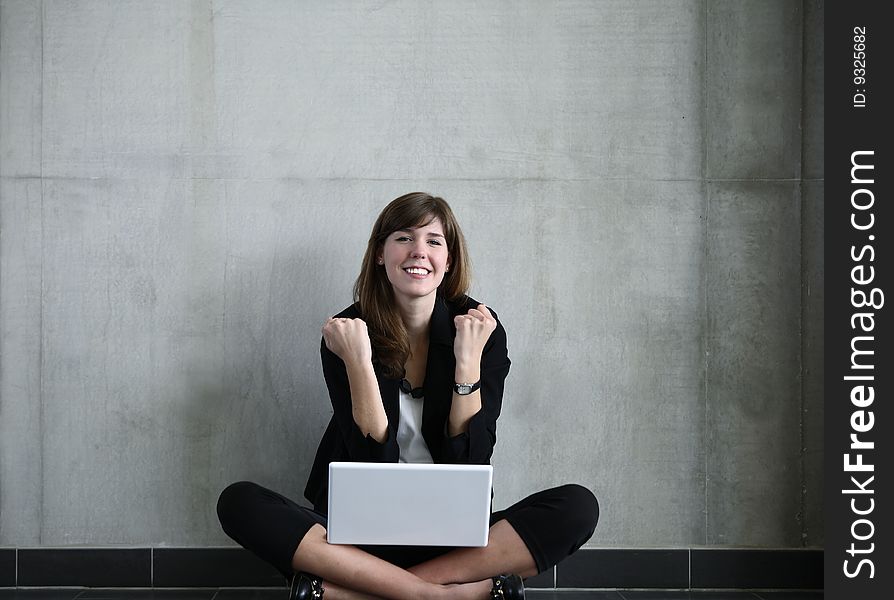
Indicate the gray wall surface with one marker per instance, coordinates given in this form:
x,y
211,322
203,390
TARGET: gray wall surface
x,y
186,192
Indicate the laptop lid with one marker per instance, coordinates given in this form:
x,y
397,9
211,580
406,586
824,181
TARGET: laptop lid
x,y
409,504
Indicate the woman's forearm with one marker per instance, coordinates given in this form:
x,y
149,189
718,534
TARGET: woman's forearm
x,y
366,402
463,408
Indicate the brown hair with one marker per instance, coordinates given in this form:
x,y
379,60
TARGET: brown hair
x,y
372,290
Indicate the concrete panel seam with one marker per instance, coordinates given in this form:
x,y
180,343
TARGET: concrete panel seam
x,y
294,179
801,103
704,116
40,136
802,465
1,354
42,416
704,275
40,375
751,180
705,354
434,180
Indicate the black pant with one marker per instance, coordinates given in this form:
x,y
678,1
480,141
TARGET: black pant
x,y
553,524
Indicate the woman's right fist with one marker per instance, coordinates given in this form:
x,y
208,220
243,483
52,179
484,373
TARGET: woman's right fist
x,y
348,339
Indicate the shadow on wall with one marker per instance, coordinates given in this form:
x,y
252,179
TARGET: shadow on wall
x,y
257,411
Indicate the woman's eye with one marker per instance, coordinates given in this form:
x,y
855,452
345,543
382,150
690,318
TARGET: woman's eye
x,y
434,242
403,238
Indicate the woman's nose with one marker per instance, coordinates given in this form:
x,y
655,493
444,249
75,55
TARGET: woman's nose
x,y
418,251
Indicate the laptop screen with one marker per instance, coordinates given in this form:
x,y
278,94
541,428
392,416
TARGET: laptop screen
x,y
409,504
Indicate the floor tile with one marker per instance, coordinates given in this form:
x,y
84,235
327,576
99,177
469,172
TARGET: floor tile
x,y
212,567
147,594
40,594
7,565
687,595
809,595
85,567
255,594
619,568
572,595
789,569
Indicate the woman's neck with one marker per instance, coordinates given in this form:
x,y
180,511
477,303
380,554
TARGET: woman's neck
x,y
416,315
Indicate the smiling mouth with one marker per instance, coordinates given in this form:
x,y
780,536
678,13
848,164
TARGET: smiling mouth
x,y
417,271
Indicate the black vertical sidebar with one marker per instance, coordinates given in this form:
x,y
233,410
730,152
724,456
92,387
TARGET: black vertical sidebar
x,y
859,225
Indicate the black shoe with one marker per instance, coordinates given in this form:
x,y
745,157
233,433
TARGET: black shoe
x,y
508,587
305,587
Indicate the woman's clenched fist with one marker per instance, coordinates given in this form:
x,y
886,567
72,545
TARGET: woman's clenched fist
x,y
348,339
472,331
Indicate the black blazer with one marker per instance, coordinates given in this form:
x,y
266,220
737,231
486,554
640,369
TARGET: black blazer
x,y
343,440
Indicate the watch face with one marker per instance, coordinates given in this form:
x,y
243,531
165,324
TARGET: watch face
x,y
463,389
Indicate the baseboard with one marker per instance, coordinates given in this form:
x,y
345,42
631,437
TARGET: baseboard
x,y
589,568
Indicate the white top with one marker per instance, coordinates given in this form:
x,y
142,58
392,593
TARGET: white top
x,y
409,431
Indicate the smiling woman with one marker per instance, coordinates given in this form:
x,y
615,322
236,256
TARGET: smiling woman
x,y
415,371
375,295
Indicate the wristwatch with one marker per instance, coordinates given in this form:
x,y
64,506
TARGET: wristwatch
x,y
464,389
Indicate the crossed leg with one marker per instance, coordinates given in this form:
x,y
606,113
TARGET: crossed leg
x,y
505,553
463,573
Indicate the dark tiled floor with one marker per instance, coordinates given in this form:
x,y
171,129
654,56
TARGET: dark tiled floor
x,y
280,594
231,568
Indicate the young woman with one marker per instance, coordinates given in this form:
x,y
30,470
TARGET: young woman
x,y
415,371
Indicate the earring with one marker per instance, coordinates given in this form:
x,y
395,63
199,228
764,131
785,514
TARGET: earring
x,y
381,262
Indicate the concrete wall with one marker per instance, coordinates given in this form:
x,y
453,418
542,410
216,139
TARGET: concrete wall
x,y
186,192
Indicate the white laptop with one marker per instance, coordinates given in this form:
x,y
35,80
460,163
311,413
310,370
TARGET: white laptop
x,y
409,504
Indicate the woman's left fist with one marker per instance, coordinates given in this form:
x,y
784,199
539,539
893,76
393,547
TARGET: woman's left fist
x,y
472,331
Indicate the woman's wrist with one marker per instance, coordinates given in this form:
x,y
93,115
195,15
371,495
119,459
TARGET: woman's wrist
x,y
465,373
360,367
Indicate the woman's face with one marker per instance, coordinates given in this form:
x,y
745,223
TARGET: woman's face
x,y
415,260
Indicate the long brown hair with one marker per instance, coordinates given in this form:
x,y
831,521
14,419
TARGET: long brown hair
x,y
372,290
